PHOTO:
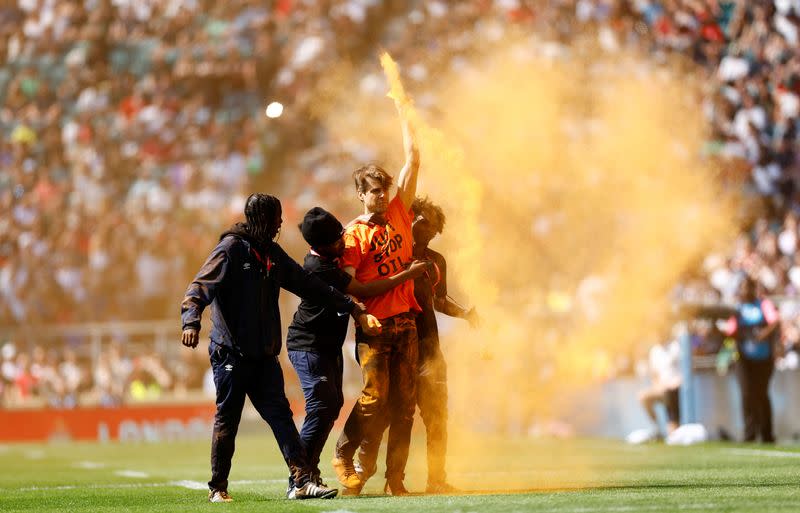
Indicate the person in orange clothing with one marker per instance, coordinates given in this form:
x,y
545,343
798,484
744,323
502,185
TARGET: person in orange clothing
x,y
430,290
379,244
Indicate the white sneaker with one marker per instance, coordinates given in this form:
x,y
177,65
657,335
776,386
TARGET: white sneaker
x,y
219,496
311,491
363,473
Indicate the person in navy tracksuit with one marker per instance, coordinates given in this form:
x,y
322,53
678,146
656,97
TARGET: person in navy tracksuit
x,y
241,280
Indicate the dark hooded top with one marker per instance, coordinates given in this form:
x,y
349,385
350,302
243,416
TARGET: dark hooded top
x,y
314,327
241,280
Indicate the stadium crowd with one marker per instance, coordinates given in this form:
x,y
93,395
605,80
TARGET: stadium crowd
x,y
63,377
131,132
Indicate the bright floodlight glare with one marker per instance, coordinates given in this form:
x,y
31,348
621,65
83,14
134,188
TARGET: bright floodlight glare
x,y
274,110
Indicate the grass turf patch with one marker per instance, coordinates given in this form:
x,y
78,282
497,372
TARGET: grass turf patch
x,y
509,475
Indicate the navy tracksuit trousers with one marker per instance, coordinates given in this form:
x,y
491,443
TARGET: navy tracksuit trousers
x,y
321,379
260,379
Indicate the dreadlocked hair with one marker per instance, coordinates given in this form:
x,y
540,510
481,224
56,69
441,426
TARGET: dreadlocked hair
x,y
432,212
261,211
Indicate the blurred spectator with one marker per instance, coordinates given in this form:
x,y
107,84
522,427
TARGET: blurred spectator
x,y
149,378
754,328
24,381
665,375
8,371
73,377
104,383
49,384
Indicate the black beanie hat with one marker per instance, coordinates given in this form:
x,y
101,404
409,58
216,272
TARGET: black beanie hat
x,y
320,227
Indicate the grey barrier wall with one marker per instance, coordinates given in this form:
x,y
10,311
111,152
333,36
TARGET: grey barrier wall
x,y
717,406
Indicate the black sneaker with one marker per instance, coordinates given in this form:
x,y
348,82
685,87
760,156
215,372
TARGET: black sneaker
x,y
311,491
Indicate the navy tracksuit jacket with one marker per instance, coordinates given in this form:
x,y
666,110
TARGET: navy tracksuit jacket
x,y
241,281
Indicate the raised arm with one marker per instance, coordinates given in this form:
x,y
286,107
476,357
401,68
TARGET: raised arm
x,y
407,182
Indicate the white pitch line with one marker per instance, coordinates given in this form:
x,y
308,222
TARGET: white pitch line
x,y
35,454
202,485
89,465
764,452
112,486
131,473
192,485
85,487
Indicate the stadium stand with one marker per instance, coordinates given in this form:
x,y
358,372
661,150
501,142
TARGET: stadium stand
x,y
132,131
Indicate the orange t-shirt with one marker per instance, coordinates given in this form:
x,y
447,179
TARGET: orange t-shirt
x,y
377,252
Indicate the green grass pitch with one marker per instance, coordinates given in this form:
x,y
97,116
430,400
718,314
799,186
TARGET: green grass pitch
x,y
574,476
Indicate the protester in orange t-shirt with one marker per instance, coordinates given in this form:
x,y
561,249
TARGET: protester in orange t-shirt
x,y
378,251
430,291
378,245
